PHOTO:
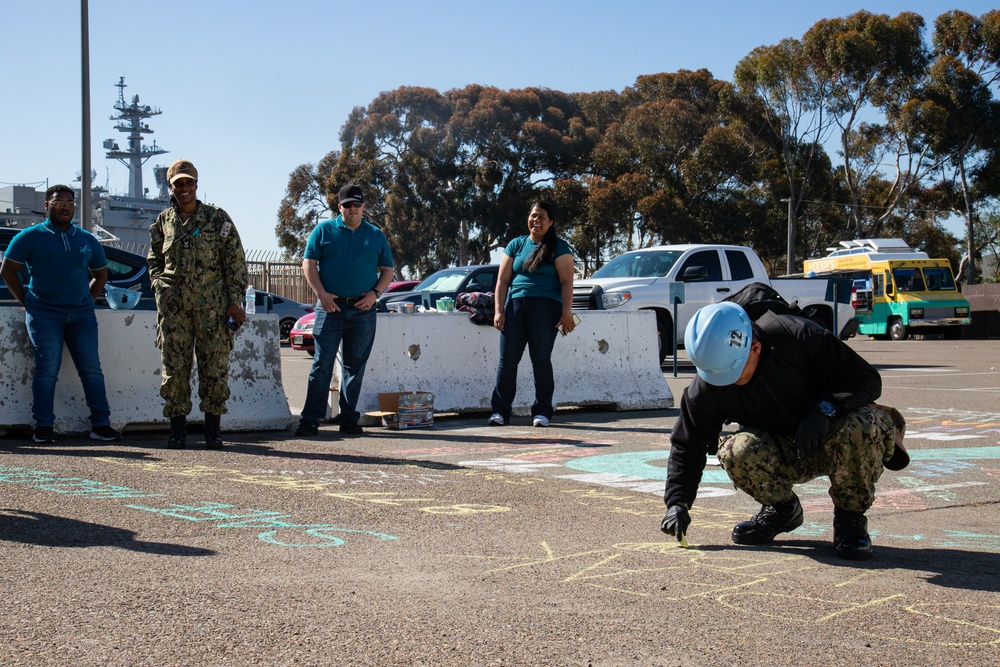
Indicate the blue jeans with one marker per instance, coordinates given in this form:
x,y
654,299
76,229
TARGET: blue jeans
x,y
529,321
356,329
48,330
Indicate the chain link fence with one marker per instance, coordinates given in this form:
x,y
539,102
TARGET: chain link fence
x,y
984,305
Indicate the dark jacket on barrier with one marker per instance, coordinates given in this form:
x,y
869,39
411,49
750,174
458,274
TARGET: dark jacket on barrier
x,y
801,364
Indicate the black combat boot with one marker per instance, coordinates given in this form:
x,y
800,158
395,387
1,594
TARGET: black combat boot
x,y
213,431
850,535
178,433
782,517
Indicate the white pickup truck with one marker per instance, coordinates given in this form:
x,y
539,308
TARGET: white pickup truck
x,y
642,279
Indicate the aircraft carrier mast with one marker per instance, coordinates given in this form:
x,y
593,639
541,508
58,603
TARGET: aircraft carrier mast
x,y
130,119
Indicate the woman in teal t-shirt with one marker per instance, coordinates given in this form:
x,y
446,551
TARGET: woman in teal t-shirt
x,y
534,295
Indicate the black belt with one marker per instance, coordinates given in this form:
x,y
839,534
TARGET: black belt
x,y
349,301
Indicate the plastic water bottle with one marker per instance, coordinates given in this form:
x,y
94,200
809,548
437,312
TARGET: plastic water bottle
x,y
251,301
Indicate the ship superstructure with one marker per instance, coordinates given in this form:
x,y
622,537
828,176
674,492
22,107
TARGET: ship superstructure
x,y
122,220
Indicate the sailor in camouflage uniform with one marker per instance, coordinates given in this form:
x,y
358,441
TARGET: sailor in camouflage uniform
x,y
199,273
804,402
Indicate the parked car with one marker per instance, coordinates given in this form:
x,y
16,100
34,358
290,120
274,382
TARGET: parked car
x,y
288,311
300,335
401,286
125,270
446,282
697,275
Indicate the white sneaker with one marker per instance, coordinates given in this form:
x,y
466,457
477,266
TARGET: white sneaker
x,y
496,419
539,420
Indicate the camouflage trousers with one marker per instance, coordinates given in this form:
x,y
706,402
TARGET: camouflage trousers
x,y
767,466
182,336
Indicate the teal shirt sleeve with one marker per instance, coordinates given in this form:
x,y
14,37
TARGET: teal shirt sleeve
x,y
385,254
17,250
98,260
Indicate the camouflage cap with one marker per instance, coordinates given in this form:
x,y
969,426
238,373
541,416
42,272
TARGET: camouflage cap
x,y
181,169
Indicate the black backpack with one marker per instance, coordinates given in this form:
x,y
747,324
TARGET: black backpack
x,y
758,298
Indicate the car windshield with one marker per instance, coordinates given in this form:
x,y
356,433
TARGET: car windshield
x,y
447,280
641,264
908,280
939,279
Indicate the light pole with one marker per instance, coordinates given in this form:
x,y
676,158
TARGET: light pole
x,y
86,191
790,265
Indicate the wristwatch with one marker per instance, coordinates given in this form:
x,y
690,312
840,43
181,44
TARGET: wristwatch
x,y
377,293
828,408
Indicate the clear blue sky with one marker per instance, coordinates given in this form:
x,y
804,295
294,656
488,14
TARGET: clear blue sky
x,y
251,89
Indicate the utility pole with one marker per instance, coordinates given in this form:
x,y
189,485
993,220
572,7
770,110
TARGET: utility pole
x,y
790,265
86,188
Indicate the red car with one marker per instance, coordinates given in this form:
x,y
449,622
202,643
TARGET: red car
x,y
301,335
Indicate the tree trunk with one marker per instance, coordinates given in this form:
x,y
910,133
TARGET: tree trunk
x,y
970,239
463,243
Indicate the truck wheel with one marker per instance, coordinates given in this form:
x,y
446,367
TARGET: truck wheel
x,y
897,330
665,334
285,330
822,318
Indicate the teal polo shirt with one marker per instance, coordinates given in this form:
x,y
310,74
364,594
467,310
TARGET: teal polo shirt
x,y
348,259
543,281
58,265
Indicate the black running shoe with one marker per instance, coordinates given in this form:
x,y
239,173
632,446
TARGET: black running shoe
x,y
105,433
44,435
306,430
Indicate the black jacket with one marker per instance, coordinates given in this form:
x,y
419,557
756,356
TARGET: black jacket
x,y
801,364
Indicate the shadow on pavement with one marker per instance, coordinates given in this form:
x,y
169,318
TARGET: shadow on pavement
x,y
949,568
47,530
497,435
84,448
360,459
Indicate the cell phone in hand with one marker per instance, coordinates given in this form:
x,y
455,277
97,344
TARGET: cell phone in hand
x,y
562,329
231,323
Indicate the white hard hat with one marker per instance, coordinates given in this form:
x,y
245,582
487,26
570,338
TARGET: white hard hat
x,y
122,299
717,340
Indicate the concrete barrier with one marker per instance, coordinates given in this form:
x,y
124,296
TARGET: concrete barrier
x,y
611,358
131,364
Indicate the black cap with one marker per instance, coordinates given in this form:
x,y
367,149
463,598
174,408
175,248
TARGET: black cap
x,y
351,193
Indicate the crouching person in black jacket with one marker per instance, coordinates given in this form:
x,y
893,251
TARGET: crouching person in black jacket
x,y
804,404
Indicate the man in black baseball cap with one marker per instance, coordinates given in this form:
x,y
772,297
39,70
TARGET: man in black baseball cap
x,y
348,265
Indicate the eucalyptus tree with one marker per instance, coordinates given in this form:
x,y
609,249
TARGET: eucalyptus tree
x,y
962,115
511,147
668,168
305,203
870,63
397,147
780,83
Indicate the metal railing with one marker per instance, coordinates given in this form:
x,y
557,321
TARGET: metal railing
x,y
268,269
271,272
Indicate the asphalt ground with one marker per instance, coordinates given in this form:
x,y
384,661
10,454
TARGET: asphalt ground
x,y
467,545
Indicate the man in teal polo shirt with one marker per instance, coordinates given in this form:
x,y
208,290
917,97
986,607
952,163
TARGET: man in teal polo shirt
x,y
66,271
348,265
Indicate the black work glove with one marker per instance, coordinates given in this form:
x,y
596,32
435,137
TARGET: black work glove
x,y
676,521
811,435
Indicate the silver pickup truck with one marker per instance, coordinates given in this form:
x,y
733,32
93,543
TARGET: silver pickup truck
x,y
643,279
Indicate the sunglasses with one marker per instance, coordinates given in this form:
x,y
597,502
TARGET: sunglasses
x,y
351,204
